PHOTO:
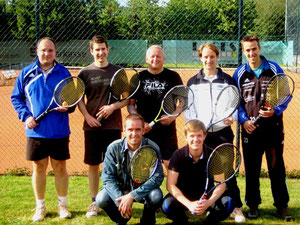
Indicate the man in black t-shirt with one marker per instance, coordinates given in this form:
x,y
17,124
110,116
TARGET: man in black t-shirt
x,y
187,178
156,81
102,119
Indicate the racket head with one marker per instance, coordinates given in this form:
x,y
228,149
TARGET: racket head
x,y
223,163
177,100
226,104
143,164
278,91
69,92
124,83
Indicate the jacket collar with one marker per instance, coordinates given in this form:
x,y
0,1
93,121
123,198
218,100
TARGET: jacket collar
x,y
264,61
201,75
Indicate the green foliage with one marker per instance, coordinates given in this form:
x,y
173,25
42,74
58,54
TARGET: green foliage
x,y
141,19
18,172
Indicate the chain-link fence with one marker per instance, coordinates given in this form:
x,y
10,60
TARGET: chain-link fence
x,y
179,26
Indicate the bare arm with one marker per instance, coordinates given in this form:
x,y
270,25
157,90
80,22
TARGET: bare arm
x,y
172,179
91,121
106,110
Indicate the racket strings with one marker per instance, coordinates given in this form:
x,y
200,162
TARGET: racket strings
x,y
69,91
124,83
223,163
176,101
279,90
227,102
143,164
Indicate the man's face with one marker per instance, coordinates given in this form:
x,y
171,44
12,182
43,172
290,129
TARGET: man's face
x,y
46,52
155,59
209,59
252,51
134,131
195,140
100,52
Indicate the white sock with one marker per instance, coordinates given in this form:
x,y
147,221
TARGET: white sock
x,y
62,199
40,203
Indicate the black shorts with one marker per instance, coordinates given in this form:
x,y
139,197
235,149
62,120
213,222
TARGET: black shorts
x,y
166,141
96,143
40,148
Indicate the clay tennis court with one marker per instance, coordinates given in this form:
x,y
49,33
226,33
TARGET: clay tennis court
x,y
13,140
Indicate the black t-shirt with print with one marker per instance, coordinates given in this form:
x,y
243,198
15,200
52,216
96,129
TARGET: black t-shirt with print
x,y
148,101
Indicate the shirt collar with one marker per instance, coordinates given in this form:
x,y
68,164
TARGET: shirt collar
x,y
264,61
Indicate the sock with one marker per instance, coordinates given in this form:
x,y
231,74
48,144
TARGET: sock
x,y
40,203
62,199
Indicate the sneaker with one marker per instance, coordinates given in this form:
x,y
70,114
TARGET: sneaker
x,y
40,213
92,210
238,215
284,214
63,211
253,213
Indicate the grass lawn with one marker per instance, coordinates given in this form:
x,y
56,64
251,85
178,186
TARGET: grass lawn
x,y
17,203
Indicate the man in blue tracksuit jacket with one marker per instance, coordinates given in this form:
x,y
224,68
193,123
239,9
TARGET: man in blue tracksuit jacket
x,y
49,138
267,136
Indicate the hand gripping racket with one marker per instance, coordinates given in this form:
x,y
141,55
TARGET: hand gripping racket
x,y
223,163
278,91
123,85
143,164
226,104
176,100
67,93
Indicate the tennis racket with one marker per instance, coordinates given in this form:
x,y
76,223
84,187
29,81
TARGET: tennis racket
x,y
223,163
143,164
226,104
123,85
278,91
176,100
67,93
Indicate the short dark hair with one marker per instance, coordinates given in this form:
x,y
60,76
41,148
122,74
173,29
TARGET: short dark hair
x,y
194,126
98,39
208,45
45,38
135,117
249,38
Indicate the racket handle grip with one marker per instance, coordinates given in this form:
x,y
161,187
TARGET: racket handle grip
x,y
40,117
151,124
200,200
256,120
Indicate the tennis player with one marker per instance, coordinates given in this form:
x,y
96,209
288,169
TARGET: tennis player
x,y
187,178
98,135
207,85
117,196
48,140
268,136
156,81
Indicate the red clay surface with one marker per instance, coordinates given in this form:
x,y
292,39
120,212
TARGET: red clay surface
x,y
13,140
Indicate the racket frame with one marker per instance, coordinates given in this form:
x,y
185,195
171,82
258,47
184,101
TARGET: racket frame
x,y
208,178
211,123
162,104
135,156
111,84
42,115
266,89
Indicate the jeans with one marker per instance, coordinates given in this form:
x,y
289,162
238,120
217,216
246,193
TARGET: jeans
x,y
151,203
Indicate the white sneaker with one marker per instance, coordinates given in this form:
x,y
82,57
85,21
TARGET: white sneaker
x,y
63,211
238,215
92,210
40,213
